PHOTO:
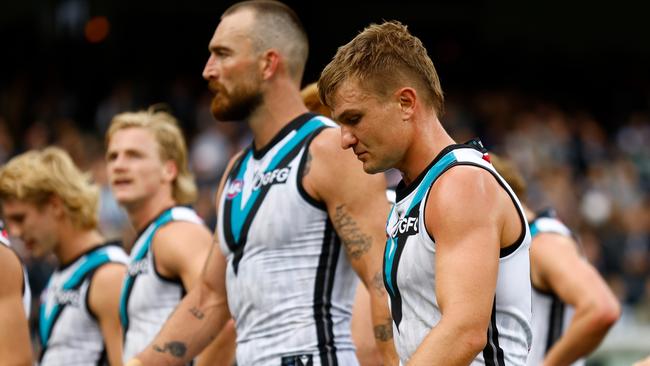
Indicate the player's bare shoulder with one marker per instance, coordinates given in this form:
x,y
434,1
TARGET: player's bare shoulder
x,y
327,163
473,184
327,146
466,194
11,270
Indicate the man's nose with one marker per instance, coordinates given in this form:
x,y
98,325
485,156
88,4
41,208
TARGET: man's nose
x,y
210,69
348,139
14,230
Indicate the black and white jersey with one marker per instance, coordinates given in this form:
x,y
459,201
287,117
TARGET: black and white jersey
x,y
410,273
551,316
68,330
147,297
290,285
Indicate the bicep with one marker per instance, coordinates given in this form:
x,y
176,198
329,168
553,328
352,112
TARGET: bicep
x,y
468,241
557,264
180,249
104,299
194,262
466,274
15,346
357,207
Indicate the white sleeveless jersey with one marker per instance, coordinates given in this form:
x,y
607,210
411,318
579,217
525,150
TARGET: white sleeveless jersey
x,y
551,316
147,297
68,330
27,292
290,285
410,273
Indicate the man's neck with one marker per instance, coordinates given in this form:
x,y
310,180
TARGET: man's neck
x,y
142,213
429,139
73,242
280,107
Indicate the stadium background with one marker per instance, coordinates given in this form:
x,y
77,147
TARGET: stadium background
x,y
562,87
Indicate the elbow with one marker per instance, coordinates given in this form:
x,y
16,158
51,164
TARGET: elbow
x,y
608,314
604,314
474,340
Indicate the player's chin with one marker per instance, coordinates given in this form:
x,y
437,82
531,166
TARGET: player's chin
x,y
372,167
124,198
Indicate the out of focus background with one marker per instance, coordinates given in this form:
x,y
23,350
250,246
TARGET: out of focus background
x,y
561,87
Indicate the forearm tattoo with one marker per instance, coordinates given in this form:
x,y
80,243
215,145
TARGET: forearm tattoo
x,y
378,284
384,332
356,243
175,348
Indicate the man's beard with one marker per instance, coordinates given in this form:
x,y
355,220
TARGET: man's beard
x,y
235,107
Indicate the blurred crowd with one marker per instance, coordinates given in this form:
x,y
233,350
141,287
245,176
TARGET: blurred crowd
x,y
596,177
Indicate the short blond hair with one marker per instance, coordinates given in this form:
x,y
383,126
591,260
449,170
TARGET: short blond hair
x,y
36,176
171,146
383,57
312,101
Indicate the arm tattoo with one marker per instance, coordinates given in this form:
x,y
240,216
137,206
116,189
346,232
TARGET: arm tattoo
x,y
384,332
356,243
197,313
175,348
307,167
378,283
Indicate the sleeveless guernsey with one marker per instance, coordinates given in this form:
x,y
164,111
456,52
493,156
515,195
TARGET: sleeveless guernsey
x,y
68,330
551,316
147,297
410,273
290,285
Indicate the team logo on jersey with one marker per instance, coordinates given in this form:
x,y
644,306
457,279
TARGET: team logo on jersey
x,y
66,297
275,176
298,360
138,267
234,188
405,226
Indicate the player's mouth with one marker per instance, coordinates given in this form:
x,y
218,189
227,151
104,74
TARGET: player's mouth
x,y
29,244
361,155
121,182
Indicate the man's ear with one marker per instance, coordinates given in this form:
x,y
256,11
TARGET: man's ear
x,y
56,205
269,63
407,98
170,170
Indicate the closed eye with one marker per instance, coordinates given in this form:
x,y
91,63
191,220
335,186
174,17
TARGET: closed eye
x,y
350,119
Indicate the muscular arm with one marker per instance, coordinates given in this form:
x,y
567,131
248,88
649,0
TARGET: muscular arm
x,y
15,346
557,266
463,211
104,302
357,206
198,319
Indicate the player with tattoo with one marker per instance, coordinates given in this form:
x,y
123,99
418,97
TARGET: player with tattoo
x,y
456,258
363,331
297,214
148,172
